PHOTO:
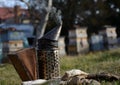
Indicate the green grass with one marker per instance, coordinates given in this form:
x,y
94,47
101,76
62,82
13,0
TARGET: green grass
x,y
8,75
108,61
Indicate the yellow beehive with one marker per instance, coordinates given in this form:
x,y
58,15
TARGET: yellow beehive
x,y
12,46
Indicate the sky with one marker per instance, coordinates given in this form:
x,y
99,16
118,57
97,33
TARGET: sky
x,y
12,3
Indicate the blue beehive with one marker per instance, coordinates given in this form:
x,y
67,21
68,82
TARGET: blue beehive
x,y
96,42
9,35
13,40
26,28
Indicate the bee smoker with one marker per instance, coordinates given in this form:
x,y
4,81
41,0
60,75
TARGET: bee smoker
x,y
48,54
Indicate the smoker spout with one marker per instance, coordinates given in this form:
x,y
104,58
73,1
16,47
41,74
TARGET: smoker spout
x,y
53,34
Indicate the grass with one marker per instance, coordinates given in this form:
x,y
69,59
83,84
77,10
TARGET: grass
x,y
93,62
108,61
8,75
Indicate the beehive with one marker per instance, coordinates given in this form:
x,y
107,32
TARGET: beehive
x,y
78,45
26,21
78,32
61,46
12,40
1,52
78,42
110,37
96,42
73,49
111,32
10,35
12,46
0,46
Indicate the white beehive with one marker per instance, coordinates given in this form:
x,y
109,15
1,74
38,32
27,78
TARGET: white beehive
x,y
61,44
78,42
78,32
12,46
110,36
111,32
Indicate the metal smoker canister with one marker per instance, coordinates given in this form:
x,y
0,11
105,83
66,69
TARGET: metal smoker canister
x,y
48,55
49,66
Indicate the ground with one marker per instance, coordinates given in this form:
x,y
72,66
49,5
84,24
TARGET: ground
x,y
107,61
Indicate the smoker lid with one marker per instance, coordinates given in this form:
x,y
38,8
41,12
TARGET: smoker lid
x,y
50,39
44,44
